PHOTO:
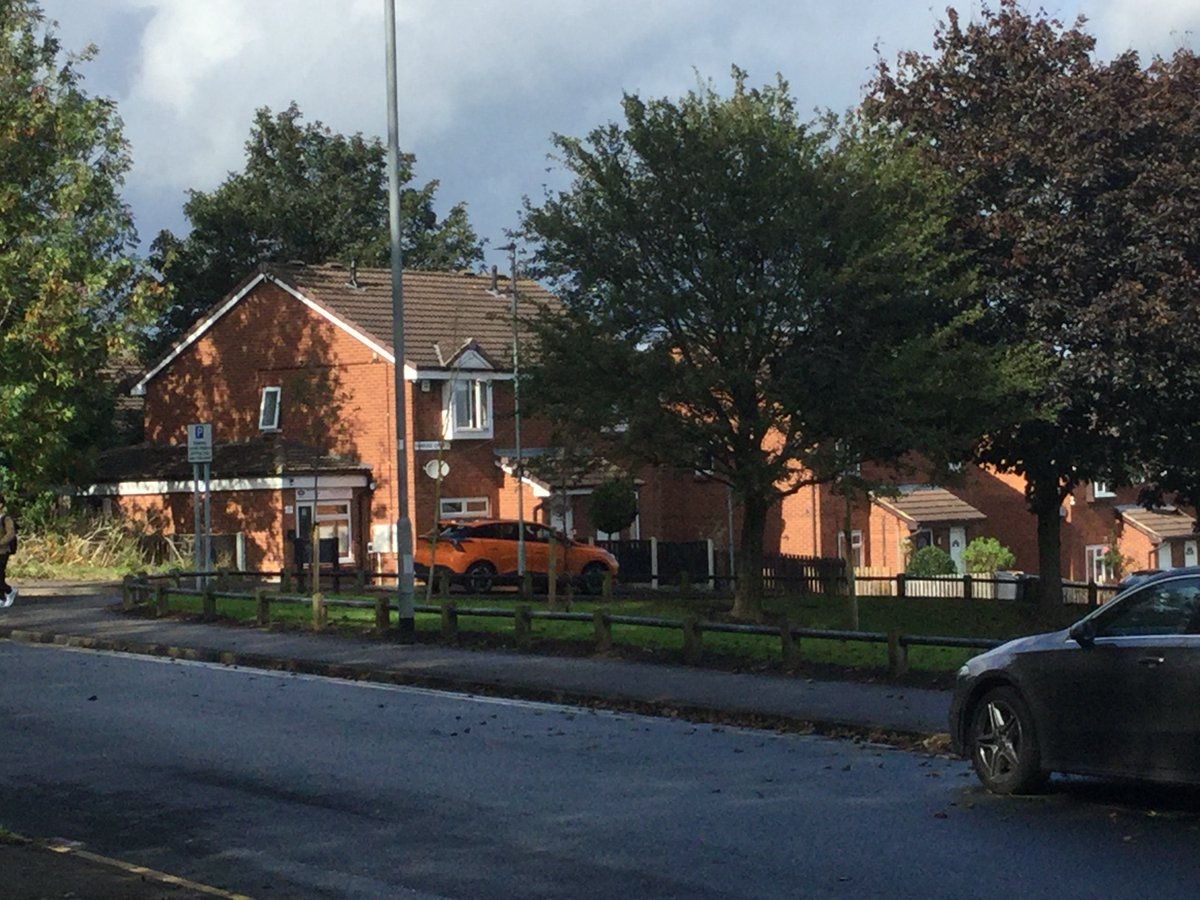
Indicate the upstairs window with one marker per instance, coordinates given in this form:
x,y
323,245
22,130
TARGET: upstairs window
x,y
1101,491
268,410
470,409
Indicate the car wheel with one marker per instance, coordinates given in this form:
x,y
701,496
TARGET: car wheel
x,y
592,578
480,576
1003,744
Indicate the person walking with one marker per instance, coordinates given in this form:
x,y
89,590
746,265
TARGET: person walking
x,y
8,543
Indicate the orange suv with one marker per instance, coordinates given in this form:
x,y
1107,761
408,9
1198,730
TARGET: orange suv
x,y
479,552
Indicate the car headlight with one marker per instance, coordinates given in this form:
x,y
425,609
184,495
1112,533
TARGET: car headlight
x,y
964,671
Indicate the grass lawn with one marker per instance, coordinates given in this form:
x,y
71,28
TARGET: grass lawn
x,y
944,618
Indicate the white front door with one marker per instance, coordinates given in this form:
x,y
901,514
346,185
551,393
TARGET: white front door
x,y
1164,555
958,542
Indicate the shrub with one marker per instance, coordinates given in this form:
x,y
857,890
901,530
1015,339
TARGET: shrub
x,y
986,556
613,505
930,561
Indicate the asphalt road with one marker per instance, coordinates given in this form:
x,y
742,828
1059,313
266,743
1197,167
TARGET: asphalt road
x,y
275,785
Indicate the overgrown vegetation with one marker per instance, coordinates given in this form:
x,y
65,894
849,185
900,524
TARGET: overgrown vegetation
x,y
79,546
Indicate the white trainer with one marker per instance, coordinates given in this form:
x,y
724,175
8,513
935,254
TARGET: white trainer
x,y
10,598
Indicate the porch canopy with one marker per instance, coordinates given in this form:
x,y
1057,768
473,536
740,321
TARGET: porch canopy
x,y
270,457
923,506
1160,524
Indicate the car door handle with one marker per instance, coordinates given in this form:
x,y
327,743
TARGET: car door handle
x,y
1151,661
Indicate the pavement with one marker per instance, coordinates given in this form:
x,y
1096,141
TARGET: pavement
x,y
90,616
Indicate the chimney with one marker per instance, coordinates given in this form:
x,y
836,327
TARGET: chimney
x,y
353,272
495,281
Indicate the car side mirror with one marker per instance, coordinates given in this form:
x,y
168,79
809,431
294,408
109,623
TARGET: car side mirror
x,y
1083,633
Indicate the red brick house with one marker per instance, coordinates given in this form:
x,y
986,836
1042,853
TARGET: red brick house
x,y
294,370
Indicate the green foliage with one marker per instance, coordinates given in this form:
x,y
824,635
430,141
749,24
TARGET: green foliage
x,y
613,505
749,290
1116,561
986,555
1084,235
71,293
306,194
930,561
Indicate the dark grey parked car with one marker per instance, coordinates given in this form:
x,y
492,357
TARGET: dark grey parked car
x,y
1116,694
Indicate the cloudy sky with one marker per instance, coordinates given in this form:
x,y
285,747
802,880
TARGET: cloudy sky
x,y
484,83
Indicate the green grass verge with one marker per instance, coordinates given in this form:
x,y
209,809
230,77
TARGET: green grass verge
x,y
943,618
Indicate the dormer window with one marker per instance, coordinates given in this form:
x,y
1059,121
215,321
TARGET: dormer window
x,y
268,410
1102,491
470,409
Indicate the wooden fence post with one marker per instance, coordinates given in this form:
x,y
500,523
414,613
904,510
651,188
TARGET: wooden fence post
x,y
382,613
320,617
262,607
527,586
210,602
693,640
897,653
285,581
443,584
160,599
685,583
900,585
1093,594
968,587
607,591
523,626
789,645
360,580
449,620
127,592
603,628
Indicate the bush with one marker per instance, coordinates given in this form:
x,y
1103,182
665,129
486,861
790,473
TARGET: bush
x,y
930,561
986,556
613,505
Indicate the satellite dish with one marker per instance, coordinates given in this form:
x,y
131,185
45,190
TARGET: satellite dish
x,y
436,467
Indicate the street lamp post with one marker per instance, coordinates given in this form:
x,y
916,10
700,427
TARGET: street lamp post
x,y
519,468
406,613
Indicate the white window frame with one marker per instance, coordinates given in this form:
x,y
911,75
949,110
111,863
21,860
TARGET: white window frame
x,y
341,517
481,396
1098,569
1101,491
464,508
856,547
263,425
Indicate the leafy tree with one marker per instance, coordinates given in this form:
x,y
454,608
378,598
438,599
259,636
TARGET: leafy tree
x,y
747,290
986,555
306,193
71,293
1078,190
614,505
930,561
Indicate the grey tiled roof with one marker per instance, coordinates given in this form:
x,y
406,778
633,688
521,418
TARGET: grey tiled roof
x,y
443,311
930,506
1162,523
265,456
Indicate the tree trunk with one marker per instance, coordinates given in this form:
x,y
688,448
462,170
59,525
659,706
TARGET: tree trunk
x,y
1045,502
747,597
848,559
